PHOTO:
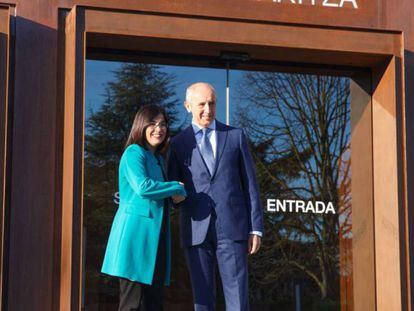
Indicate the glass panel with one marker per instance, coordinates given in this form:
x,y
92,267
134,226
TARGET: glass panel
x,y
114,92
299,131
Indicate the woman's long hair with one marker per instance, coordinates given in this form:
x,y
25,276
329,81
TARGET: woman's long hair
x,y
142,120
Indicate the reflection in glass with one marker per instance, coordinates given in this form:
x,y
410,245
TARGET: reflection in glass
x,y
110,109
299,127
107,129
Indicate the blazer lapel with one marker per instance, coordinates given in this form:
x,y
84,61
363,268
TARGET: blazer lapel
x,y
192,145
221,142
190,137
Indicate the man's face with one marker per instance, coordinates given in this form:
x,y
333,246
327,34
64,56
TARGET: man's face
x,y
202,105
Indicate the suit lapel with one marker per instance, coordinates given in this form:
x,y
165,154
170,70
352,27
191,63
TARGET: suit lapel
x,y
221,142
221,136
190,137
192,144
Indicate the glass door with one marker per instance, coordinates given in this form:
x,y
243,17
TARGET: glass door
x,y
299,128
114,93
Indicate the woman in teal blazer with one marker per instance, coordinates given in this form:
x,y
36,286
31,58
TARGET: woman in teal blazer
x,y
138,249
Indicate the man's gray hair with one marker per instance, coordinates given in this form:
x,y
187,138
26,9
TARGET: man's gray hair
x,y
190,90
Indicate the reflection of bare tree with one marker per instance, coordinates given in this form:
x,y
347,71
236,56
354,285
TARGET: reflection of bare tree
x,y
345,236
300,130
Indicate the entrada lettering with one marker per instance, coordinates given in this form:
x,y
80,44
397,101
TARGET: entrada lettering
x,y
299,206
325,3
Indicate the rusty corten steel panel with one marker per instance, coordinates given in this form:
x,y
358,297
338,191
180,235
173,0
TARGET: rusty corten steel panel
x,y
242,32
34,156
4,99
345,13
32,181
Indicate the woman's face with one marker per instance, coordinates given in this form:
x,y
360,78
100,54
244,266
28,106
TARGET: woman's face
x,y
155,132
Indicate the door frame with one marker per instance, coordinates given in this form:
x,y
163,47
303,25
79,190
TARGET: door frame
x,y
380,230
6,15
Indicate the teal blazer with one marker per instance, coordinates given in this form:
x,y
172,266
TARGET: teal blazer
x,y
133,242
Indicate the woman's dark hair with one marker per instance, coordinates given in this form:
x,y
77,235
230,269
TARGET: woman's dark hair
x,y
144,117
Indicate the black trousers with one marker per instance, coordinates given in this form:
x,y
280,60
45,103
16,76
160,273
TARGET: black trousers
x,y
142,297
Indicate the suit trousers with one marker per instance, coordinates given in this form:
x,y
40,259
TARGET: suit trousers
x,y
231,258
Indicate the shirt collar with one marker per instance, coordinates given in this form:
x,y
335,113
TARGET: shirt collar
x,y
197,128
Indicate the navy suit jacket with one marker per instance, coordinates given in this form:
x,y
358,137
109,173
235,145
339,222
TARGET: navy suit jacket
x,y
231,190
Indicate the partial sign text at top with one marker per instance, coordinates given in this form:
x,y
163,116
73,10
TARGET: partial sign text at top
x,y
324,3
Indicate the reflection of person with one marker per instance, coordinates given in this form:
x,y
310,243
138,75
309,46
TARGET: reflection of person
x,y
138,250
221,220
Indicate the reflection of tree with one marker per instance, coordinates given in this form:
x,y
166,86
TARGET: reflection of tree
x,y
107,129
299,126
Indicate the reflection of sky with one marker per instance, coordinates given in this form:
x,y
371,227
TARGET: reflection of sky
x,y
99,73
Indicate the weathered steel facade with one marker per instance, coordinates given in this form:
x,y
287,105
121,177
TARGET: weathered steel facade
x,y
43,45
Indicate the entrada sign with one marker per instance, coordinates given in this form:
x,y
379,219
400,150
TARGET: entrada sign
x,y
325,3
299,206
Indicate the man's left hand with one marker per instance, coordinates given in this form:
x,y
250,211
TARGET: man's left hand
x,y
254,243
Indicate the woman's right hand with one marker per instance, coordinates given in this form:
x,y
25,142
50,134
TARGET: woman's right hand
x,y
178,198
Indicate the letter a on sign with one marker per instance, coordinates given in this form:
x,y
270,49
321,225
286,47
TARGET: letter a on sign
x,y
330,208
354,3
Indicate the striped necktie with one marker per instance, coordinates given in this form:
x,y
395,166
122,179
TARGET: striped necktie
x,y
207,150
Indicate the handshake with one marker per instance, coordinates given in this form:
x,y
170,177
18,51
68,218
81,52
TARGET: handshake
x,y
178,198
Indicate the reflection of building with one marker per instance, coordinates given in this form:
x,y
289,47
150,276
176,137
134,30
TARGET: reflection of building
x,y
43,47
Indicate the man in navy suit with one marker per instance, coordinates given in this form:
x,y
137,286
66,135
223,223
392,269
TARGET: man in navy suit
x,y
221,220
